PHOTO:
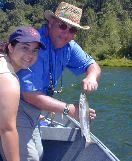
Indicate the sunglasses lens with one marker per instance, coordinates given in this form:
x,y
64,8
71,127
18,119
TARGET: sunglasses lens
x,y
63,26
73,30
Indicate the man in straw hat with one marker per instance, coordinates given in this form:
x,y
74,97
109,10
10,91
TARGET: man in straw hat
x,y
39,81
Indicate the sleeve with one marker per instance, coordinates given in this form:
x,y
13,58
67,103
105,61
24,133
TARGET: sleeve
x,y
79,59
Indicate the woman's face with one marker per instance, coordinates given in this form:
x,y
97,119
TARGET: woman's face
x,y
23,55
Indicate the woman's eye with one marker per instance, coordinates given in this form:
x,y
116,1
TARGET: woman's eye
x,y
25,48
36,51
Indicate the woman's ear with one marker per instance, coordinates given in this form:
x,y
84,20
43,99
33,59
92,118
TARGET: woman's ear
x,y
10,48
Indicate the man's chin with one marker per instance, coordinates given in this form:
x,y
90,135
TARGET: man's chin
x,y
60,45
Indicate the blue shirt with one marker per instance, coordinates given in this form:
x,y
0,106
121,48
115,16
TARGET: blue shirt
x,y
36,78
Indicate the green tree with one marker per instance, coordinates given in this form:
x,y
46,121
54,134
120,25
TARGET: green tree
x,y
34,15
110,30
3,25
126,36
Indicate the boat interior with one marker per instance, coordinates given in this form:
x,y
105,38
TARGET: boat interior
x,y
62,141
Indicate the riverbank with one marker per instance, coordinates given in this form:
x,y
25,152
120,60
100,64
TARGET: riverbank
x,y
116,62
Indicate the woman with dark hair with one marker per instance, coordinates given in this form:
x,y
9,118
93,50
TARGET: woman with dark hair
x,y
20,53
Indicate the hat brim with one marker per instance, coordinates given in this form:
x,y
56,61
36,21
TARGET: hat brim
x,y
28,40
48,14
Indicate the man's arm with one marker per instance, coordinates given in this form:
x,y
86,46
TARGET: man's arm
x,y
50,104
90,82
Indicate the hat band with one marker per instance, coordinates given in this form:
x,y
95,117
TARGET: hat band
x,y
73,18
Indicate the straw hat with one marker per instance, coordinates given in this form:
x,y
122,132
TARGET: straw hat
x,y
67,13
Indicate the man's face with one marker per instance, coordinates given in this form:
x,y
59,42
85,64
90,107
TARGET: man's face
x,y
60,32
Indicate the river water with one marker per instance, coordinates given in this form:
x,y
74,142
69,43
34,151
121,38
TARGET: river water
x,y
113,104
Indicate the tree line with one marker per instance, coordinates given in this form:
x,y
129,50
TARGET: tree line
x,y
110,21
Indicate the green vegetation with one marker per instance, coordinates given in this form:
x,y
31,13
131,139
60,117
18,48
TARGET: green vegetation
x,y
109,39
116,62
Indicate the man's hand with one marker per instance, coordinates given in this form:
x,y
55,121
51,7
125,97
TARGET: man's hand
x,y
92,113
74,111
89,84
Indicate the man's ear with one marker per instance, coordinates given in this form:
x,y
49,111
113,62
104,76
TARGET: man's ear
x,y
51,22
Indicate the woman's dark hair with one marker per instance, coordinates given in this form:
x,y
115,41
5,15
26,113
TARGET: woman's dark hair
x,y
4,46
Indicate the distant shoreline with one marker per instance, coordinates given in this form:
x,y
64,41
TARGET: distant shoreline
x,y
116,62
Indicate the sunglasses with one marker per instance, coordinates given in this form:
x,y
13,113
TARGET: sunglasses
x,y
64,26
